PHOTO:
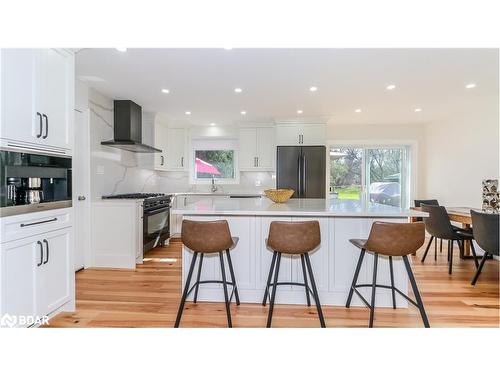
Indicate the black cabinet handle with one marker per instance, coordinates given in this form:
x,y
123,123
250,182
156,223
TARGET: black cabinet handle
x,y
46,126
41,253
41,125
46,248
182,161
162,160
38,222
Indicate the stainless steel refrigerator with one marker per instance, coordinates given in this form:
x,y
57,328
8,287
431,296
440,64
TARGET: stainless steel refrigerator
x,y
303,169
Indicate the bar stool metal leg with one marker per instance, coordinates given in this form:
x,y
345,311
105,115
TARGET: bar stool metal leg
x,y
392,283
305,279
416,292
224,285
440,245
374,288
198,279
273,294
355,278
315,291
271,269
186,289
233,279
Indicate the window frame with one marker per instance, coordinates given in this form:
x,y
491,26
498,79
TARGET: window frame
x,y
409,169
214,145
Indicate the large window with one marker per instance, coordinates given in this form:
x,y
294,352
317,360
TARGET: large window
x,y
215,159
378,174
214,163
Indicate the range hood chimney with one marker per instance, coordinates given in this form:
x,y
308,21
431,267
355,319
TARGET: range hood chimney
x,y
128,128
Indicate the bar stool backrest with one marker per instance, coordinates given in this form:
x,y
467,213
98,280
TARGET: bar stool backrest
x,y
429,202
486,230
438,223
395,239
294,237
206,236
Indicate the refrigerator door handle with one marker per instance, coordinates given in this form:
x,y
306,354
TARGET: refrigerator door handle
x,y
304,175
299,174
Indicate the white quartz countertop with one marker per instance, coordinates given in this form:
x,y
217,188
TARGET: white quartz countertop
x,y
294,207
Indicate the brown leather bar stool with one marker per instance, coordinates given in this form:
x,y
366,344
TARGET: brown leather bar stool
x,y
392,240
208,237
296,238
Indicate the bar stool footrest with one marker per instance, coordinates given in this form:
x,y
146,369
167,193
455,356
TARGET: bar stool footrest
x,y
289,283
212,282
380,286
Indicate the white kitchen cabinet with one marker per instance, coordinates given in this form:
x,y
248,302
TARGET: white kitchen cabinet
x,y
37,275
53,279
18,265
161,136
37,99
176,149
301,134
257,149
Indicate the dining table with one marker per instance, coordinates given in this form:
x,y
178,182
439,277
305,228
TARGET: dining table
x,y
460,215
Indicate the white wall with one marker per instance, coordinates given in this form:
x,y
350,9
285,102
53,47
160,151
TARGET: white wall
x,y
460,151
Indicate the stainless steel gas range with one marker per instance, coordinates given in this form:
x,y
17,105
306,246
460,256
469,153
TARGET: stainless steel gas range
x,y
156,216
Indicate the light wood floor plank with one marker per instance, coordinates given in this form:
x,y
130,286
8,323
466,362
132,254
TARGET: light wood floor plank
x,y
149,297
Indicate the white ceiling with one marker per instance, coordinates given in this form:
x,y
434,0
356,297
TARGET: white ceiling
x,y
276,82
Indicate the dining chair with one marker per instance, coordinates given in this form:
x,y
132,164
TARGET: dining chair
x,y
486,233
430,202
438,224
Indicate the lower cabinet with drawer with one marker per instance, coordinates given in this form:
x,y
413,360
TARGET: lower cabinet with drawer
x,y
36,277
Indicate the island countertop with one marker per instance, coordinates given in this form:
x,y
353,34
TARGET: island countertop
x,y
214,206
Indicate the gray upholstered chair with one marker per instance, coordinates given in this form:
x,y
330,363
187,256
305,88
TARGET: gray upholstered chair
x,y
485,227
438,225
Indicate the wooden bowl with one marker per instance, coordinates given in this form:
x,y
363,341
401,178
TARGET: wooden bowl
x,y
279,195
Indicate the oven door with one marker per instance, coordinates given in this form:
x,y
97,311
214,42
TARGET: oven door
x,y
156,227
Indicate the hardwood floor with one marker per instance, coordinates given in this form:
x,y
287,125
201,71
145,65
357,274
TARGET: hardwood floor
x,y
149,297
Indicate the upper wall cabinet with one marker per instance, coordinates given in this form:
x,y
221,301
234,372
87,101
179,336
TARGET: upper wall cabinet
x,y
257,149
160,142
176,149
301,134
37,99
172,142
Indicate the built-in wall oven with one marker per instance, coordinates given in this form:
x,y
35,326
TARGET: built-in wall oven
x,y
31,182
156,221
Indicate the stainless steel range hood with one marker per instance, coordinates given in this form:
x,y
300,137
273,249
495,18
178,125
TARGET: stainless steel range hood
x,y
128,128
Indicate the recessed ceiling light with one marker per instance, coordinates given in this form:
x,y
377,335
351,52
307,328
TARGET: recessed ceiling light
x,y
418,109
391,87
228,48
313,88
212,124
238,90
470,85
299,111
165,91
243,112
122,49
358,110
187,113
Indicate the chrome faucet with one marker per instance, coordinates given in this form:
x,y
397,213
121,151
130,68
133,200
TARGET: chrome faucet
x,y
214,188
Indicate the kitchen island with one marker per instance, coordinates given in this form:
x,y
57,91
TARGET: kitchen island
x,y
333,262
